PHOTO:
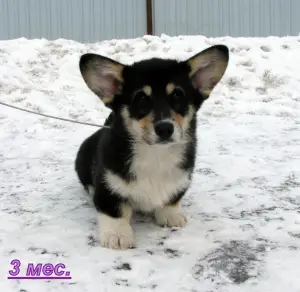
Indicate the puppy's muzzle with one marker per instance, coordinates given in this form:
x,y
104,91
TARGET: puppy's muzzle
x,y
164,130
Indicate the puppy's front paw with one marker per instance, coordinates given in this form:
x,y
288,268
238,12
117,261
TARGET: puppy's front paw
x,y
115,233
170,216
117,240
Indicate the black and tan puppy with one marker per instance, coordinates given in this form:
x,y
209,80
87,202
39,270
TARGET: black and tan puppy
x,y
144,159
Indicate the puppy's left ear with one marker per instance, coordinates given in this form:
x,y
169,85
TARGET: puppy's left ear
x,y
207,68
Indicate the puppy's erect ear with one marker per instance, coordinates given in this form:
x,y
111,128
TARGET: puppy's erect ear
x,y
102,75
207,68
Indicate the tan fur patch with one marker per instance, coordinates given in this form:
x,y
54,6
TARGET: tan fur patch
x,y
183,121
179,119
117,69
170,87
146,122
107,99
207,92
148,90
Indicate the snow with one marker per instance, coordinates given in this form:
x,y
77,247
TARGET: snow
x,y
244,204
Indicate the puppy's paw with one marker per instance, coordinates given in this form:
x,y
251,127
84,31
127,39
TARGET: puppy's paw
x,y
115,233
117,240
170,216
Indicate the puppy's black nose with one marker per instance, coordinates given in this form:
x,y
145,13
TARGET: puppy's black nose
x,y
164,130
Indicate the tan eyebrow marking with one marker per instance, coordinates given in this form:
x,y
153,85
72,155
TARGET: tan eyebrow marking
x,y
147,89
170,87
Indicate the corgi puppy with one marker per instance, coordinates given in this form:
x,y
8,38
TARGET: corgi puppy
x,y
143,159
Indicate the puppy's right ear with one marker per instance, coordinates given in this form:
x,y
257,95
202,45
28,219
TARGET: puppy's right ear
x,y
102,75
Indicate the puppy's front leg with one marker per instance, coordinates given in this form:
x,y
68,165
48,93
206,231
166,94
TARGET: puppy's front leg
x,y
171,215
114,220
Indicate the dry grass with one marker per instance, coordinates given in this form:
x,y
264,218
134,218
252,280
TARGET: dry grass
x,y
285,47
246,63
251,69
261,90
233,82
271,80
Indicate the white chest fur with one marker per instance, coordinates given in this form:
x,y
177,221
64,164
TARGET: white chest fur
x,y
157,176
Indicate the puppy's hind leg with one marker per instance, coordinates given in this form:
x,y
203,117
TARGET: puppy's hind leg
x,y
83,163
85,159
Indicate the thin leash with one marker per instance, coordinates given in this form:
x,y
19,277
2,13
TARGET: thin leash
x,y
52,117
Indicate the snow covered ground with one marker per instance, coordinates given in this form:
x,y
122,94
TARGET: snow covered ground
x,y
244,204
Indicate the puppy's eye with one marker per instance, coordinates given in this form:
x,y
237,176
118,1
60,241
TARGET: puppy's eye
x,y
176,98
142,103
